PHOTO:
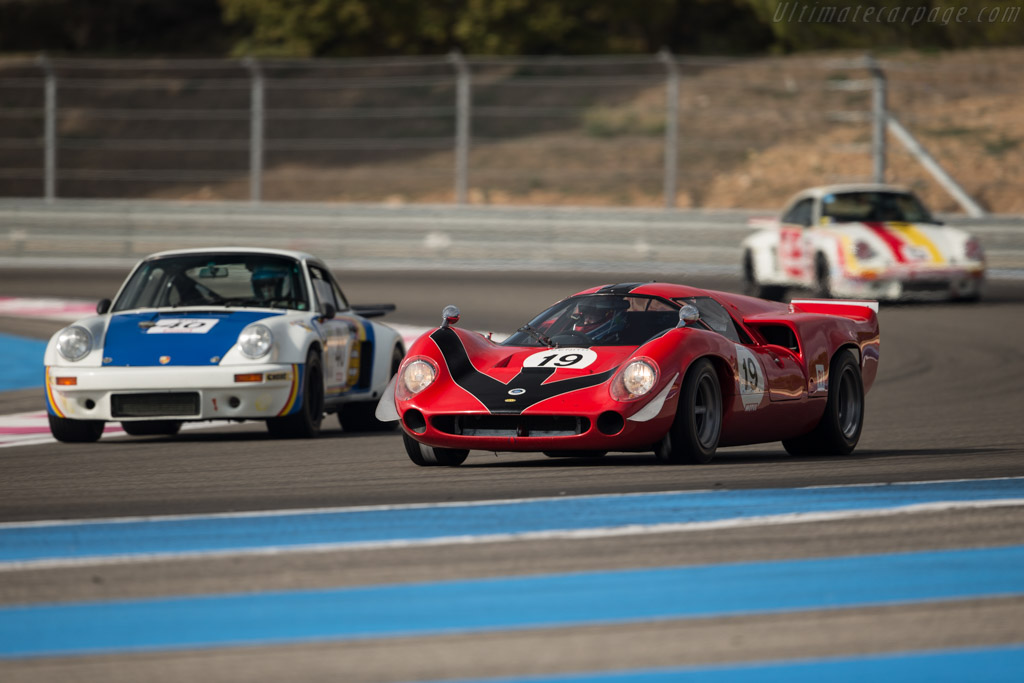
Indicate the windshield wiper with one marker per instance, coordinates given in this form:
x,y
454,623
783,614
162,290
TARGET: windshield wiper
x,y
536,334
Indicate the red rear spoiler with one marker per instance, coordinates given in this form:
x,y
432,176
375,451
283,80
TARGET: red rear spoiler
x,y
847,308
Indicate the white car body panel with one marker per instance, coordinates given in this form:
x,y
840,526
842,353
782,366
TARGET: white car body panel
x,y
871,259
342,340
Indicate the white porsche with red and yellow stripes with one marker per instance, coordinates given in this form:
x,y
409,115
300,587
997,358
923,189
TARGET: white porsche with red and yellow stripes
x,y
862,241
221,334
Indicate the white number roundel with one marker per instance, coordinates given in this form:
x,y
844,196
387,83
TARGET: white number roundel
x,y
561,358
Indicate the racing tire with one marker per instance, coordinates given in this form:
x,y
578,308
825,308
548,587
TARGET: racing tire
x,y
693,436
751,285
432,456
305,424
839,429
575,454
822,277
152,427
75,431
359,416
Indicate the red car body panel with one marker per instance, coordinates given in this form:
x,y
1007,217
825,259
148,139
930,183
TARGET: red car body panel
x,y
483,398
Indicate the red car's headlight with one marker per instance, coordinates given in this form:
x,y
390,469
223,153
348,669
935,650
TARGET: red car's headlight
x,y
635,380
416,374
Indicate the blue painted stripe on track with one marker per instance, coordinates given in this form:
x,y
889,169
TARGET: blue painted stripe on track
x,y
64,540
22,363
477,605
993,665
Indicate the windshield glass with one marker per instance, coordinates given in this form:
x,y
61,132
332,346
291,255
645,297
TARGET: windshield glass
x,y
598,320
259,280
851,207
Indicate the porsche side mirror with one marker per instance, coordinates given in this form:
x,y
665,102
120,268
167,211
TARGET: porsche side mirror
x,y
449,316
688,313
329,311
103,306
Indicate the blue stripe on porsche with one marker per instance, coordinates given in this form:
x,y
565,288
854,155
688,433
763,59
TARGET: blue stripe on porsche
x,y
127,344
518,602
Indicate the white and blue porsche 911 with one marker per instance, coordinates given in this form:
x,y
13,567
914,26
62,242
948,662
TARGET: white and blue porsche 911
x,y
221,334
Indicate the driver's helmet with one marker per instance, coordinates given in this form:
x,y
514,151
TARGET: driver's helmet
x,y
600,316
268,281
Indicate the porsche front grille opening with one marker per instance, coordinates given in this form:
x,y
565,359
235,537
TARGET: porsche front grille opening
x,y
511,425
167,404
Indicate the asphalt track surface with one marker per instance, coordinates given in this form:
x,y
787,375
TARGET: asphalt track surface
x,y
739,570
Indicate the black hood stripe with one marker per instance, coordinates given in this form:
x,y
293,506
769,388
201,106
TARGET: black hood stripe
x,y
492,393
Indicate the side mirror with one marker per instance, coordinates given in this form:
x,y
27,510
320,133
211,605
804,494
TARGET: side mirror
x,y
103,306
329,311
449,316
688,313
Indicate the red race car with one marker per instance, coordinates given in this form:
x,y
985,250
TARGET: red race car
x,y
642,367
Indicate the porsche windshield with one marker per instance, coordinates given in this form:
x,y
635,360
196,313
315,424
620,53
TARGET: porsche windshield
x,y
598,320
259,280
852,207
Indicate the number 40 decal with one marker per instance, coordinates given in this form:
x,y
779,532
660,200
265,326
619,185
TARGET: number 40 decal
x,y
561,358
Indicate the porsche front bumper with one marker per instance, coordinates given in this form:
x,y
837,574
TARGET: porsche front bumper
x,y
179,393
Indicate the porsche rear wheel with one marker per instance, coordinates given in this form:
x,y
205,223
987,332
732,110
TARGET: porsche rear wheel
x,y
840,426
304,424
359,416
431,456
75,431
693,436
152,427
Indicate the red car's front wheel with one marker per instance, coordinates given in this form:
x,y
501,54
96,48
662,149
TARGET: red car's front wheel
x,y
430,456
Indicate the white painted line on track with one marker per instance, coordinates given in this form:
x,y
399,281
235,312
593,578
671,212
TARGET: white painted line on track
x,y
546,535
256,514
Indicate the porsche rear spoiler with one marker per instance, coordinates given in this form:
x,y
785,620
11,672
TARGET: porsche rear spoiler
x,y
847,308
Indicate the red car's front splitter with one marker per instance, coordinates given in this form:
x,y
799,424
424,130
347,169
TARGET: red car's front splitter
x,y
607,431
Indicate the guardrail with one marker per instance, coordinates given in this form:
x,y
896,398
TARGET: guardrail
x,y
382,237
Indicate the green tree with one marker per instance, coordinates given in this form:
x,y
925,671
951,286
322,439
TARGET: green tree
x,y
304,28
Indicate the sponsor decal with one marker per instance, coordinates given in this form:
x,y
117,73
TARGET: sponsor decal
x,y
516,392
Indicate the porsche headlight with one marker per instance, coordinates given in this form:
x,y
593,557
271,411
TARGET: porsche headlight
x,y
74,343
417,375
255,341
635,380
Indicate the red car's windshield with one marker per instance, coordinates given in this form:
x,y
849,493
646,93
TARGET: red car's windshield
x,y
598,320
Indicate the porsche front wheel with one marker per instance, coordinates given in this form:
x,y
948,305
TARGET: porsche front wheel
x,y
839,429
693,436
430,456
753,287
75,431
304,424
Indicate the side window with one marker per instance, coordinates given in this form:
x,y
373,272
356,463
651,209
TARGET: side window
x,y
342,301
324,287
800,214
716,318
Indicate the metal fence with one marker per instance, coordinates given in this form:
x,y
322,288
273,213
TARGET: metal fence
x,y
648,130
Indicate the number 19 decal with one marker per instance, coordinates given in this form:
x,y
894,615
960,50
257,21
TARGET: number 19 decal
x,y
561,358
751,378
